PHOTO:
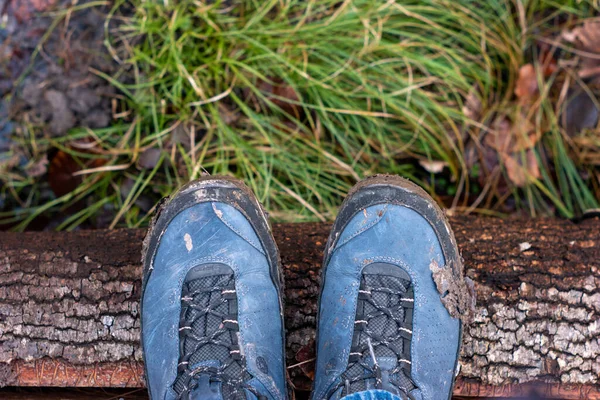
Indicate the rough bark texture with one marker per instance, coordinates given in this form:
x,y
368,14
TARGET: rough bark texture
x,y
69,312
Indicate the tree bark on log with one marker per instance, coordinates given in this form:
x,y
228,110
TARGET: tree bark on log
x,y
69,313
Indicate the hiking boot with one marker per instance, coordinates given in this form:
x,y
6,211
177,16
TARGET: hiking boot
x,y
212,279
382,324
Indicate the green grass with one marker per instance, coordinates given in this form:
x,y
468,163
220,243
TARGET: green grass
x,y
363,87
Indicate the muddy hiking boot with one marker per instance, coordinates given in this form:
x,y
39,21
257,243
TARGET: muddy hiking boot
x,y
211,279
383,326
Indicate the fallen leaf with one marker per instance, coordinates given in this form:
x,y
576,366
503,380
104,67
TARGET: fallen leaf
x,y
521,172
62,167
60,173
527,84
473,107
486,157
512,145
500,136
547,60
586,38
524,133
280,94
513,136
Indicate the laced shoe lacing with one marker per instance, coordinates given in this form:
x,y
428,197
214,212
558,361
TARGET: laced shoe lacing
x,y
382,329
209,332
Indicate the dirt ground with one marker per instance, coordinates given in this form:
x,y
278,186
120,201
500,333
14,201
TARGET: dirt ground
x,y
60,90
49,84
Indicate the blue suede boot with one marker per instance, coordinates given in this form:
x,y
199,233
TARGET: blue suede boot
x,y
383,326
212,315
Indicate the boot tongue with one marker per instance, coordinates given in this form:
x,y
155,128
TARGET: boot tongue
x,y
206,390
386,366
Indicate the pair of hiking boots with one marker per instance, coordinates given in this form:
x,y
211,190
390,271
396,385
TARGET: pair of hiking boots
x,y
212,308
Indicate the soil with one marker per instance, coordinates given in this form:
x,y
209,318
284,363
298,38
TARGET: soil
x,y
60,90
47,82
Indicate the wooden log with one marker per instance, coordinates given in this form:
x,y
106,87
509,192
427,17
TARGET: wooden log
x,y
69,313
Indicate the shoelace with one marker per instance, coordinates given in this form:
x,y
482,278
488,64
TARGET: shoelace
x,y
361,354
189,374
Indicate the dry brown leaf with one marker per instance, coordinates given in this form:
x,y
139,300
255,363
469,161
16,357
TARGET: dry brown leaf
x,y
513,143
280,94
547,61
509,137
60,173
586,38
472,108
527,84
524,134
500,136
62,168
521,172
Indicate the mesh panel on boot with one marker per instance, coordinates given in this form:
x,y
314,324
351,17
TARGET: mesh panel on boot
x,y
384,313
203,310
